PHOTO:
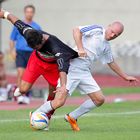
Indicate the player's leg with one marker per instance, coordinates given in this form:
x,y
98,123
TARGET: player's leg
x,y
58,101
22,90
96,100
60,98
25,86
20,72
51,96
26,58
87,86
51,74
31,73
21,63
3,90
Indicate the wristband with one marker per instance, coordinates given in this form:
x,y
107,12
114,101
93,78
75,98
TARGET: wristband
x,y
6,14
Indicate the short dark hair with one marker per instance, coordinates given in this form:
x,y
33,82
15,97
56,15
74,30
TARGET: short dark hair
x,y
29,6
33,38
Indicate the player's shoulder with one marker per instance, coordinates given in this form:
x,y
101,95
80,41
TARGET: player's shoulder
x,y
93,27
92,30
35,23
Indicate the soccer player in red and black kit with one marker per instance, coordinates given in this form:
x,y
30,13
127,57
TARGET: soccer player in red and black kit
x,y
50,58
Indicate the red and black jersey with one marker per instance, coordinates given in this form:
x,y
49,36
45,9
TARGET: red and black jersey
x,y
53,46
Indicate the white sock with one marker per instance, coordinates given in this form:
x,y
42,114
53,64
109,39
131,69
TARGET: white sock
x,y
45,108
83,108
17,92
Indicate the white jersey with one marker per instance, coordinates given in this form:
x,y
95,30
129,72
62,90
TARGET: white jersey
x,y
96,46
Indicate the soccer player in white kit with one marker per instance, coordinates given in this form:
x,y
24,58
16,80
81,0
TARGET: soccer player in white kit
x,y
93,44
94,39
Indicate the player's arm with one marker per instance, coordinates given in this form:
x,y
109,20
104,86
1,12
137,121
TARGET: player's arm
x,y
12,49
12,42
63,68
77,35
8,16
12,45
63,79
115,67
21,26
63,65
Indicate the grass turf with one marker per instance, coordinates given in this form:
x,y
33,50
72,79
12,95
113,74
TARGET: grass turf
x,y
100,127
115,90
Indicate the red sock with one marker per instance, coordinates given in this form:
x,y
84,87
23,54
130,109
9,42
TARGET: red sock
x,y
50,114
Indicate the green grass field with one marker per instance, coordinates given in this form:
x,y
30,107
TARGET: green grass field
x,y
115,90
116,121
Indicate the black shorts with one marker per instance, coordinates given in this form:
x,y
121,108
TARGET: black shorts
x,y
22,58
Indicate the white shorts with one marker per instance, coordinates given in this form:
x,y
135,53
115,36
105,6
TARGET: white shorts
x,y
82,80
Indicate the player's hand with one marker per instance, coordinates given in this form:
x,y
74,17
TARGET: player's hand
x,y
61,90
82,53
132,79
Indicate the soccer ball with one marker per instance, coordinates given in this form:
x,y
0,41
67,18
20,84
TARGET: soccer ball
x,y
39,121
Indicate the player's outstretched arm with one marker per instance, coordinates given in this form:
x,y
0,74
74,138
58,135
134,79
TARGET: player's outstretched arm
x,y
20,25
6,15
114,66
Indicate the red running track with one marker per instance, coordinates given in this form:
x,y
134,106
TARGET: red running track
x,y
70,101
102,80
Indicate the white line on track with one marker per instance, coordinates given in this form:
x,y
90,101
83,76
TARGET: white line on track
x,y
87,115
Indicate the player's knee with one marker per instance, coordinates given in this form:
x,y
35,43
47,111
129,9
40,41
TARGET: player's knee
x,y
23,90
99,101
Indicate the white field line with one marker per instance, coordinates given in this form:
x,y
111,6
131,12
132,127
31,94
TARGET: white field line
x,y
87,115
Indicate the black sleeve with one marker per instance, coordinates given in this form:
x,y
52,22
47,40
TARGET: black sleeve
x,y
22,27
63,60
63,63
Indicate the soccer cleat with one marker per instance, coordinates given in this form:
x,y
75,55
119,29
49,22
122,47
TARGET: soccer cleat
x,y
17,92
72,122
23,100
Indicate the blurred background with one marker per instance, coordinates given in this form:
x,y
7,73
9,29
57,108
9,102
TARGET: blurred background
x,y
118,118
60,16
